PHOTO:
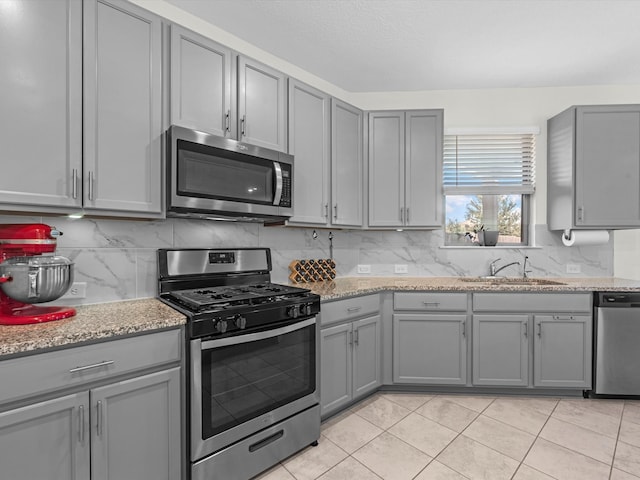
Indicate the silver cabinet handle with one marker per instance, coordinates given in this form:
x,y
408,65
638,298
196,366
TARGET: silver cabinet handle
x,y
401,215
81,424
406,215
526,329
227,121
99,419
354,309
91,180
431,304
357,336
335,211
464,329
563,317
350,338
74,183
326,210
243,123
539,329
580,213
89,367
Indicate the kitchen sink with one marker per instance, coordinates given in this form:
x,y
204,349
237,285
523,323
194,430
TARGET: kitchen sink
x,y
511,281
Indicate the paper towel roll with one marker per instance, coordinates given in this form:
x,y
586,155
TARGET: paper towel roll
x,y
577,238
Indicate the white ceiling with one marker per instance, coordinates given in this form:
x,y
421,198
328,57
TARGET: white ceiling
x,y
406,45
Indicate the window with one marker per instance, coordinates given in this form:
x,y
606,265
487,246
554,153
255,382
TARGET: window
x,y
488,181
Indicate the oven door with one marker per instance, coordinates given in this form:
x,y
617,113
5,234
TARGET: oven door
x,y
245,383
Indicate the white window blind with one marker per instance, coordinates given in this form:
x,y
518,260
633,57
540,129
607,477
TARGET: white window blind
x,y
489,164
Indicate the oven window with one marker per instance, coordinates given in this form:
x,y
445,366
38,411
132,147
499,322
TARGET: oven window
x,y
233,177
241,382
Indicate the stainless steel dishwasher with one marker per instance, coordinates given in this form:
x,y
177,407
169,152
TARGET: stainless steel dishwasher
x,y
617,344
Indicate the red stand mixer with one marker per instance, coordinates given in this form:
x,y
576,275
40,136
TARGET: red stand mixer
x,y
29,273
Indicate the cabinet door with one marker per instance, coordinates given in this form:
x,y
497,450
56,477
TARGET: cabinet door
x,y
122,107
423,194
261,105
386,169
562,351
430,349
346,164
501,350
136,428
200,83
41,98
608,166
47,440
310,144
366,355
335,367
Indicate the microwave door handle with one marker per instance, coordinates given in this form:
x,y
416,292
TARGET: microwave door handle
x,y
278,193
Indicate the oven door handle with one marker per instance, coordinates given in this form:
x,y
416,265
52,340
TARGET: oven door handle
x,y
252,337
277,195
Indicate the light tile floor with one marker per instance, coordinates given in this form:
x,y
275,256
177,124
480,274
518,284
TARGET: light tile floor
x,y
397,436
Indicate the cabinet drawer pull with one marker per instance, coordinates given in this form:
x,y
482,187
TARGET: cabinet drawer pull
x,y
326,210
89,367
464,329
74,184
356,335
526,330
351,338
406,220
243,124
401,215
227,121
431,304
91,181
563,317
540,330
335,211
354,309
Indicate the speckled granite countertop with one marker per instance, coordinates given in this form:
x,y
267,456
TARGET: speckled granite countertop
x,y
351,286
92,322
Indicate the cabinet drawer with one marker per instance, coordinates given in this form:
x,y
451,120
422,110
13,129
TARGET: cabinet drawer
x,y
430,301
45,372
350,308
531,302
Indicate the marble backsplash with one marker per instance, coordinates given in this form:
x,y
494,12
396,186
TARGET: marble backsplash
x,y
117,258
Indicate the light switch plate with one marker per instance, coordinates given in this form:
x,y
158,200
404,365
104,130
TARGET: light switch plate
x,y
364,268
401,268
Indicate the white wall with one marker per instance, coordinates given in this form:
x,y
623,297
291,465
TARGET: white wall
x,y
463,108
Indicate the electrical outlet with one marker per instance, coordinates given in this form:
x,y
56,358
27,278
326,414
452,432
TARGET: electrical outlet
x,y
573,268
364,268
77,290
401,268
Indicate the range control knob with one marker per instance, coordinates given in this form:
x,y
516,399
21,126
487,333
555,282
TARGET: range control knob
x,y
293,311
305,309
240,321
221,326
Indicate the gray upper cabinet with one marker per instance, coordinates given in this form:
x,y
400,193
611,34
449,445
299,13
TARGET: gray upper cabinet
x,y
594,167
405,172
310,144
346,165
122,108
262,104
41,97
201,76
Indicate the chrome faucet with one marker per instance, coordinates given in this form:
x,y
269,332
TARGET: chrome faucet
x,y
493,271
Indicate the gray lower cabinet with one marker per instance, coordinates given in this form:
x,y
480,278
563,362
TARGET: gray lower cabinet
x,y
68,418
501,350
562,351
350,362
44,441
430,348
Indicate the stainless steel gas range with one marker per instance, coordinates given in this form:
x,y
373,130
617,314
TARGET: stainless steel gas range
x,y
252,346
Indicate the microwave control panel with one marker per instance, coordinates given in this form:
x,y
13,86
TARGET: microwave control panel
x,y
285,199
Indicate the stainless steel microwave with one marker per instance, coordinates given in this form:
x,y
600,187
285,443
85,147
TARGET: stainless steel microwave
x,y
218,178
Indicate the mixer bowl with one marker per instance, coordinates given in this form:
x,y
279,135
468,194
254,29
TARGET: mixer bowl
x,y
36,279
